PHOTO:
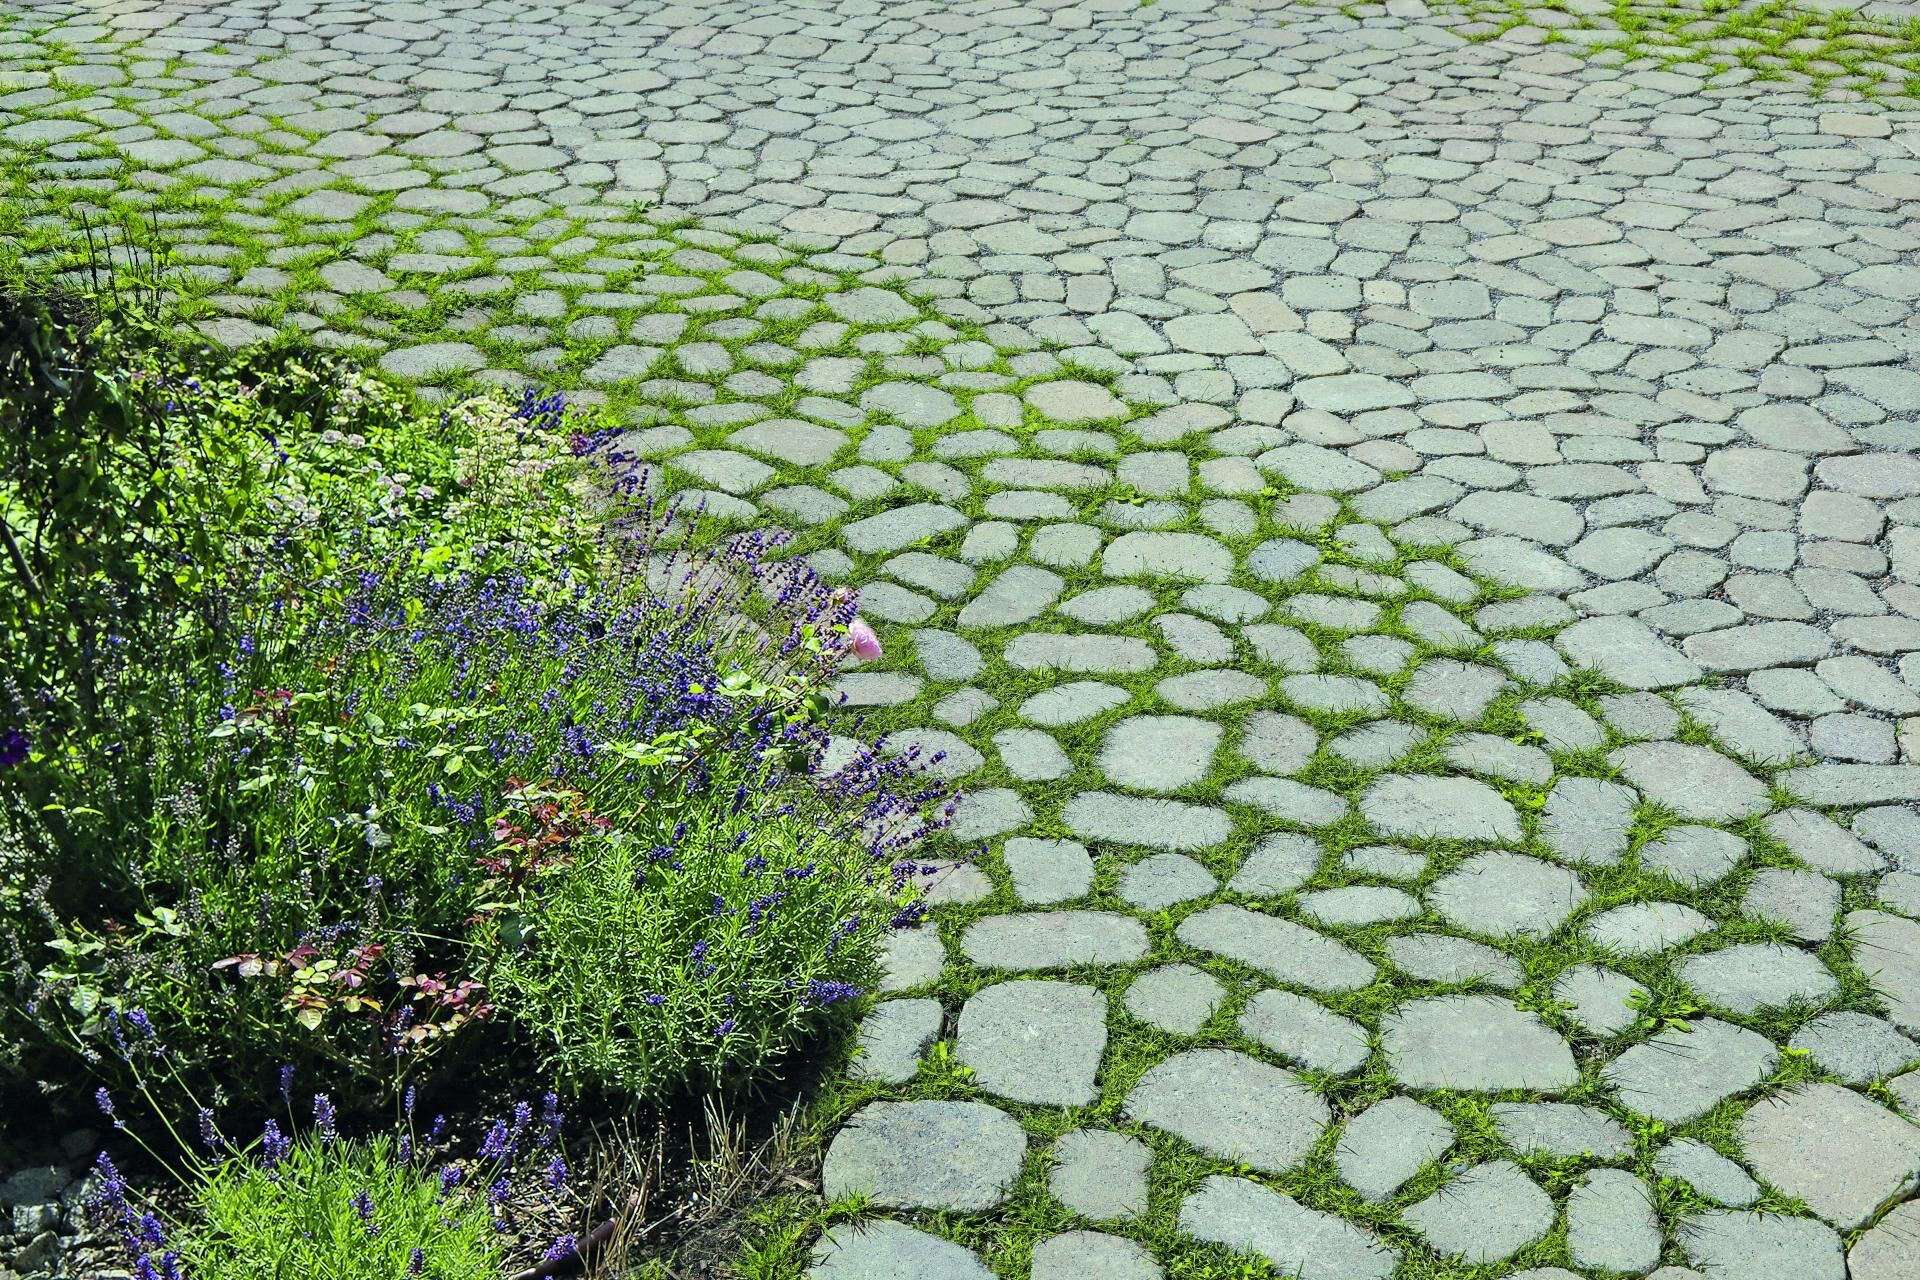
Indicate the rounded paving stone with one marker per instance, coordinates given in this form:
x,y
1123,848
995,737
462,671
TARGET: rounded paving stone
x,y
1034,1041
1175,997
1696,783
1389,1142
1298,1241
1054,940
1752,976
1438,808
1295,1027
1683,1073
926,1155
1159,753
1503,894
883,1250
1231,1106
1474,1044
1163,880
1487,1214
1100,1175
1092,1255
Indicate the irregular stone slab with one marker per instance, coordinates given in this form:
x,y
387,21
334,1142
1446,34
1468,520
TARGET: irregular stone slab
x,y
1758,645
1679,1075
1293,801
1298,1241
1505,894
1646,928
1287,952
1887,949
1154,824
1707,1172
1054,940
1079,654
1035,1041
892,1038
1561,1129
1822,843
1092,1255
1159,753
1389,1142
1729,1245
1474,1044
1586,821
1695,782
1851,784
900,527
1628,652
1841,1153
1695,856
1402,805
1183,556
1600,1000
1758,975
1279,864
1071,703
926,1155
1231,1106
1019,595
1887,1252
1100,1175
1440,957
1487,1214
1160,881
1611,1224
1360,904
1047,871
882,1250
910,958
1806,902
1276,743
1175,997
1295,1027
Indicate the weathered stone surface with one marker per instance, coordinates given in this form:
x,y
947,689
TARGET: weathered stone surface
x,y
1886,1252
1560,1129
893,1036
1154,824
1475,1044
1101,1175
1611,1224
1175,997
1678,1075
1298,1241
1084,1255
1730,1245
1502,894
884,1250
1389,1142
1286,951
1841,1153
1444,808
1887,949
1487,1214
1295,1027
1696,783
1035,1041
1054,940
1757,975
1230,1106
926,1155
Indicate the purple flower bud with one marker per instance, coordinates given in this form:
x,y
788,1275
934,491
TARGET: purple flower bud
x,y
323,1117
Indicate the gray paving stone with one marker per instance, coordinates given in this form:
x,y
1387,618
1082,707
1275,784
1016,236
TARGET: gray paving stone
x,y
1034,1041
1475,1044
910,958
1250,1218
1886,1251
1887,950
1750,976
1100,1175
1295,1027
1697,783
1646,928
1163,880
893,1036
1502,894
1598,999
1627,651
1085,1255
1840,1153
926,1155
1230,1106
1857,1047
1611,1224
1285,951
1732,1245
1439,957
1047,871
1175,997
1694,855
1159,753
1586,820
1388,1143
1561,1129
1154,824
1486,1214
880,1249
1707,1171
1444,808
1279,864
1053,940
1680,1074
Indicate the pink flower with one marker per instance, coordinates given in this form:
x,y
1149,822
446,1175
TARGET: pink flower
x,y
861,639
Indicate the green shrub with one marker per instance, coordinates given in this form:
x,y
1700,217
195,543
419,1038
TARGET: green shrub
x,y
387,729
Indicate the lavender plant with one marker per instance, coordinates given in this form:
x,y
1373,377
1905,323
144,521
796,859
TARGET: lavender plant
x,y
304,1200
423,749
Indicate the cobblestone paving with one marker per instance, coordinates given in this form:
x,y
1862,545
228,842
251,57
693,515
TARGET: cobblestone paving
x,y
1411,543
